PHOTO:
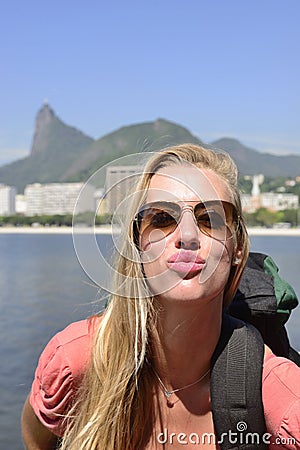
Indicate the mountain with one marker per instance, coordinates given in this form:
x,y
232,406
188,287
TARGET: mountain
x,y
252,162
55,147
62,153
149,136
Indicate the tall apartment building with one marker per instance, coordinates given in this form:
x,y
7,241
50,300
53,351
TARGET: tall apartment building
x,y
57,198
21,204
119,183
34,199
7,200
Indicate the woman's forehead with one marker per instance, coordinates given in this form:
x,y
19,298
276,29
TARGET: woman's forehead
x,y
187,183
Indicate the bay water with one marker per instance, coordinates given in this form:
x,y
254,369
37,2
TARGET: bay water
x,y
43,288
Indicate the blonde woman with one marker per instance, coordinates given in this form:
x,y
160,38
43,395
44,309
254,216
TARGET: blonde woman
x,y
139,376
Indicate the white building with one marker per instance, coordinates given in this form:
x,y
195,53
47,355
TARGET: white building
x,y
34,199
7,200
57,198
269,200
279,202
21,204
272,201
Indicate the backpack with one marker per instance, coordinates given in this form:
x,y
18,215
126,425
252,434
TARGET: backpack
x,y
266,301
257,315
236,387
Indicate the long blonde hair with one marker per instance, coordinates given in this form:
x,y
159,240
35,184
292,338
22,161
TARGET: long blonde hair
x,y
114,410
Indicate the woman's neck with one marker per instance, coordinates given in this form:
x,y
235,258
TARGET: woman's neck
x,y
185,341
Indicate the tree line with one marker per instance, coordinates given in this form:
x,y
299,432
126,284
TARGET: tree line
x,y
57,220
260,218
265,218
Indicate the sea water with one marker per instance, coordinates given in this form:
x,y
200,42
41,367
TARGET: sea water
x,y
43,288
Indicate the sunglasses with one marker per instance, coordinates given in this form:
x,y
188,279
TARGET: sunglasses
x,y
215,218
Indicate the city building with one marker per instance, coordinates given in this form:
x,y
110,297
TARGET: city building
x,y
269,200
34,199
273,201
58,198
21,204
7,200
279,201
120,181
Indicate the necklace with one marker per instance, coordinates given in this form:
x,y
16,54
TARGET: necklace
x,y
169,393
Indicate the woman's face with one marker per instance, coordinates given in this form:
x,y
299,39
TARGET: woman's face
x,y
191,260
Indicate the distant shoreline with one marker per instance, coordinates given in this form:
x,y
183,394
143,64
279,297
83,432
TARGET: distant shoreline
x,y
107,229
274,231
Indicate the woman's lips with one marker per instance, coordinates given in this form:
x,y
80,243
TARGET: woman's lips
x,y
185,268
186,262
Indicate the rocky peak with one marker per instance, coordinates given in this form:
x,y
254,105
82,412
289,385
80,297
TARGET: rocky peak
x,y
44,118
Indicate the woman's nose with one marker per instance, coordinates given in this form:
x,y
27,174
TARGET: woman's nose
x,y
187,232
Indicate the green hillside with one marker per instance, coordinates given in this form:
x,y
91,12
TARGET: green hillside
x,y
61,153
251,162
149,136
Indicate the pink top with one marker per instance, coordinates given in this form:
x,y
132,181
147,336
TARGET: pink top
x,y
63,361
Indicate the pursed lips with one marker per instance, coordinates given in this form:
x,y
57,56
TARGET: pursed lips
x,y
186,261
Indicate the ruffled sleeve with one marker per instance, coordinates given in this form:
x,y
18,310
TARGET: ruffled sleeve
x,y
59,374
281,398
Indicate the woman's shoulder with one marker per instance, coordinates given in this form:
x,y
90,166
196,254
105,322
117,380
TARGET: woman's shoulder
x,y
281,397
70,348
283,373
59,372
81,330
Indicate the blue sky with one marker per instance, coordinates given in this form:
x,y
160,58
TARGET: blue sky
x,y
220,68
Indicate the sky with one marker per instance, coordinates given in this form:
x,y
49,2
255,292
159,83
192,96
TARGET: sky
x,y
221,68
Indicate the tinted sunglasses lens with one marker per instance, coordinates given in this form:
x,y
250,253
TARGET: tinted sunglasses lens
x,y
215,219
158,216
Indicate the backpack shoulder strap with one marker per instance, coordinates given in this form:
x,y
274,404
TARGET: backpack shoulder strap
x,y
236,387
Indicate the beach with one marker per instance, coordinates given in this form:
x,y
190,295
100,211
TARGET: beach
x,y
107,229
